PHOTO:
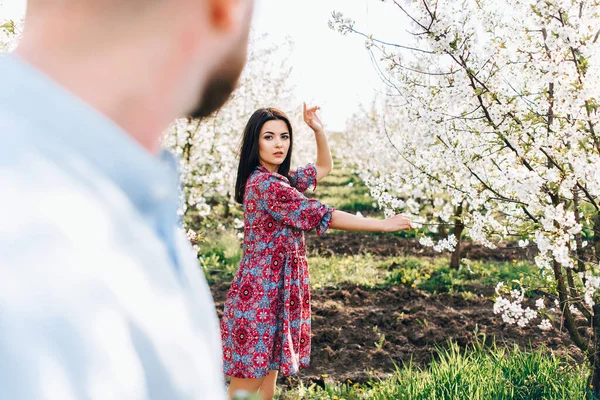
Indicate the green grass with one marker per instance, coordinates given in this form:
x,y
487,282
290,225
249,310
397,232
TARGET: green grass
x,y
340,177
349,201
365,270
345,192
220,256
436,276
429,274
475,373
221,253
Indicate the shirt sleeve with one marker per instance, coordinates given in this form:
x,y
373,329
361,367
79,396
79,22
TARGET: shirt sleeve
x,y
304,178
287,205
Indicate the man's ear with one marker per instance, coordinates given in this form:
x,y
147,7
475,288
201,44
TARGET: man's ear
x,y
229,14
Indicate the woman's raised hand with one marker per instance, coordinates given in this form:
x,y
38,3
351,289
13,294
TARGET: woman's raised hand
x,y
398,222
312,119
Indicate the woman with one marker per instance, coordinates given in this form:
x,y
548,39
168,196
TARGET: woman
x,y
266,321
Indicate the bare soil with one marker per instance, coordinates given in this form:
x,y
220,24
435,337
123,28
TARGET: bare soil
x,y
348,323
359,334
387,245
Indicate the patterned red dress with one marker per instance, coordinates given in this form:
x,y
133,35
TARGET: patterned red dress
x,y
266,320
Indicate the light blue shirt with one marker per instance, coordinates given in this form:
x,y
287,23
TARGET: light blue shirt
x,y
100,294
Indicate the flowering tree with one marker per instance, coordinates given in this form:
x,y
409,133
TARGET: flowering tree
x,y
504,104
396,168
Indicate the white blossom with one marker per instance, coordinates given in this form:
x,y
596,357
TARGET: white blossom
x,y
191,235
545,325
539,304
426,241
238,223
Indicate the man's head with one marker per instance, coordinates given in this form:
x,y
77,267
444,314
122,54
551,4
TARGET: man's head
x,y
167,58
223,77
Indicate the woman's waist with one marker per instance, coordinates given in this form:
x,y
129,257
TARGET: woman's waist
x,y
268,246
253,252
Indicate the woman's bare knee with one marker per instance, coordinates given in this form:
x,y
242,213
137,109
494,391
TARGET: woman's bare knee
x,y
247,385
268,386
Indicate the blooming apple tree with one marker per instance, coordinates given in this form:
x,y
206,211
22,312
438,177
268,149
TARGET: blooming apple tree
x,y
396,168
500,99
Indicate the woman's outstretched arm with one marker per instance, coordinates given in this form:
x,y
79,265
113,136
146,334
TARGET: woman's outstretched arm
x,y
349,222
324,162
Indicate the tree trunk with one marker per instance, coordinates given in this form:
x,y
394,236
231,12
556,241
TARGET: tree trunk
x,y
594,379
578,238
227,211
442,229
458,230
596,239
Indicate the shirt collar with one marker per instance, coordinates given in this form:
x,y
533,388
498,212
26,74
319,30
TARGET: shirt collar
x,y
262,168
28,93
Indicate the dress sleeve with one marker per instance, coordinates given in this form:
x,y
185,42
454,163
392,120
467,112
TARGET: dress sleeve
x,y
304,177
287,205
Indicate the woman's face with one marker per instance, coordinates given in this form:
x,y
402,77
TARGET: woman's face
x,y
273,144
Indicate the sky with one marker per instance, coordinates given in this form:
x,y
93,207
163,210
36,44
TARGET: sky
x,y
329,69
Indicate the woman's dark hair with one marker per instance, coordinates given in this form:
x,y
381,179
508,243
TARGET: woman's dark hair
x,y
249,150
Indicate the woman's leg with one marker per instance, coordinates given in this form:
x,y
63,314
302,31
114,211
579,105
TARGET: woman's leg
x,y
250,385
265,385
269,383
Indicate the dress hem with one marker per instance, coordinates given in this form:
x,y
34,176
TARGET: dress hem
x,y
279,371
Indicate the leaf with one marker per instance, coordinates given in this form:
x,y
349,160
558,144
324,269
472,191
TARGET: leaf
x,y
9,26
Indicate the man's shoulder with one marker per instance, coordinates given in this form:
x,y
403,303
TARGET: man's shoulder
x,y
39,191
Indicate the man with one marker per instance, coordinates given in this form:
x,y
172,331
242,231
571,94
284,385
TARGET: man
x,y
100,296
